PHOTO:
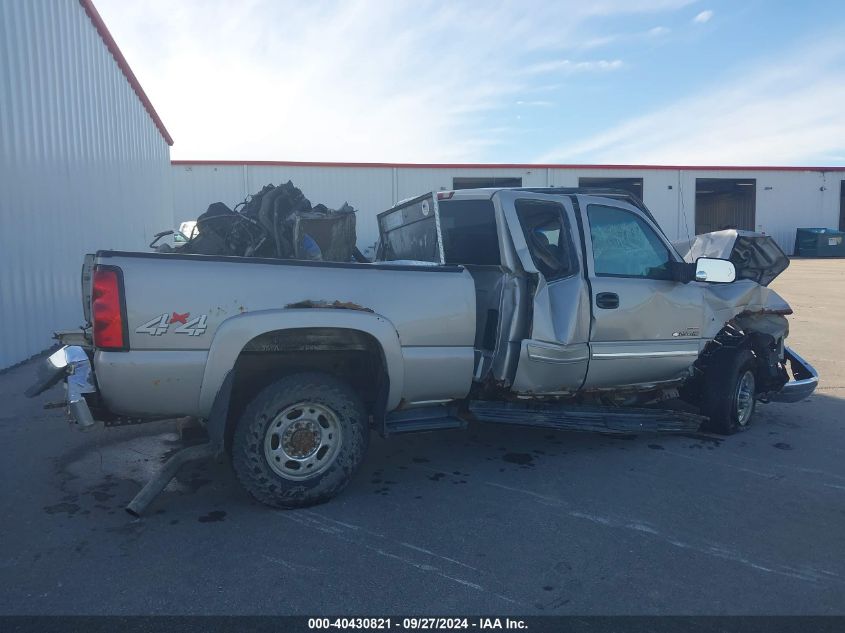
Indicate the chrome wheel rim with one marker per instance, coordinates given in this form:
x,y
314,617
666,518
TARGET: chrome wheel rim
x,y
744,397
302,441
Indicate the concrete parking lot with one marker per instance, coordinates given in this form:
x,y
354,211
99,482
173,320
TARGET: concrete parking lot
x,y
488,520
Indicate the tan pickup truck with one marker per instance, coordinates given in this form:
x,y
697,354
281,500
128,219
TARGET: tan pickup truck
x,y
561,308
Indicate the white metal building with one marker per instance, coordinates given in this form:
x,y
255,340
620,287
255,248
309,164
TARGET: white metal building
x,y
685,200
84,164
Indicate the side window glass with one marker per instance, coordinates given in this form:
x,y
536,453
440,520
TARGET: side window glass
x,y
625,246
548,237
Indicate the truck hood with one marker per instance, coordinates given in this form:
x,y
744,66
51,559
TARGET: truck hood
x,y
756,256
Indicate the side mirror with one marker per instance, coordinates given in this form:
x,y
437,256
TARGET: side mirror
x,y
716,271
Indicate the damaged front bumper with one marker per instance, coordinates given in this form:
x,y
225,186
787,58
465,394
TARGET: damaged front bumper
x,y
72,364
804,381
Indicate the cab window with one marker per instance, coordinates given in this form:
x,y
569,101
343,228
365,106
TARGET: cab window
x,y
469,232
548,237
624,245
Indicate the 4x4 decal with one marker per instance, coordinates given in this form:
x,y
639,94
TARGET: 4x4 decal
x,y
160,324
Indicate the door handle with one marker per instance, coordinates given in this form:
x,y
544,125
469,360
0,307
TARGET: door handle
x,y
607,300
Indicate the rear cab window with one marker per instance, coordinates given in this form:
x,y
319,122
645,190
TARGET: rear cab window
x,y
468,232
470,236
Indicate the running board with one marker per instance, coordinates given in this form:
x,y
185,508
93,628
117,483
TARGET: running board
x,y
422,419
586,418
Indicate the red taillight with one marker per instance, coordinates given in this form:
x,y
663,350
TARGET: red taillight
x,y
445,195
106,309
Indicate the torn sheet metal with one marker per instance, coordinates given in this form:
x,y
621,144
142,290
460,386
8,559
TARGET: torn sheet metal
x,y
756,256
775,325
723,302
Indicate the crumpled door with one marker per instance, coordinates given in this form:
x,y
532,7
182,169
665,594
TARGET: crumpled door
x,y
554,357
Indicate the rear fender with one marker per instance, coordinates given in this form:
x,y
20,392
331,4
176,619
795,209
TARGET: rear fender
x,y
234,333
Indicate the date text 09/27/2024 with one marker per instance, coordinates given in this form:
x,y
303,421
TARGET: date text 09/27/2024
x,y
417,623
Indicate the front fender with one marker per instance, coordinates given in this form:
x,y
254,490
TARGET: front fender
x,y
234,333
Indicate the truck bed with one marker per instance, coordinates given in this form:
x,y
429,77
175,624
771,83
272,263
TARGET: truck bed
x,y
430,309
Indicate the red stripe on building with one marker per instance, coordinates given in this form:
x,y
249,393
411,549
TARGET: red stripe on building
x,y
296,163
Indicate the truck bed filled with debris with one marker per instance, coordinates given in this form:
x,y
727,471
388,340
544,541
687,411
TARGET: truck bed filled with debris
x,y
275,222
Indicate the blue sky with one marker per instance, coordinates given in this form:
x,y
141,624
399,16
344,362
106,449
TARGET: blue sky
x,y
605,81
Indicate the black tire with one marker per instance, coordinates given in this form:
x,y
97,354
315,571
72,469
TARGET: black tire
x,y
721,400
253,438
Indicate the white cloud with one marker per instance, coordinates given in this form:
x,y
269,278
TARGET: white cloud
x,y
703,17
657,31
782,111
599,41
347,80
569,66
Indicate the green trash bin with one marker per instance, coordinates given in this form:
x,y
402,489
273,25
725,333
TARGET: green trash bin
x,y
819,243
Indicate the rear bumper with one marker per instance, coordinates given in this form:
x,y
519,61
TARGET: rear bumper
x,y
71,364
804,381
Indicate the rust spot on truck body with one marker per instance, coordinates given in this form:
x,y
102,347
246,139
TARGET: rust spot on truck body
x,y
334,305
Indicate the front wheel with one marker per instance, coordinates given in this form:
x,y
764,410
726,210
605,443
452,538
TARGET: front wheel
x,y
730,391
300,440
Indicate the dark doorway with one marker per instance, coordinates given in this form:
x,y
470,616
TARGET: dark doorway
x,y
724,203
634,185
483,183
842,205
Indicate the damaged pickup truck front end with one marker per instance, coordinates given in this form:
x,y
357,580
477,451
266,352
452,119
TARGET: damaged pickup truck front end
x,y
749,312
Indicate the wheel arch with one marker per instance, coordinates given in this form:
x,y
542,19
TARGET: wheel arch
x,y
761,333
268,334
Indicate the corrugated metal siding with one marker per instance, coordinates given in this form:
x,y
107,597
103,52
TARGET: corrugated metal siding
x,y
413,182
785,200
83,167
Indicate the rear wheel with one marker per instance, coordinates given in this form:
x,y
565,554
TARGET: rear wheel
x,y
300,440
730,391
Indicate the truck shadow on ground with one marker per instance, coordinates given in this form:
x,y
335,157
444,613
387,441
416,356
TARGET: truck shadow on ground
x,y
101,476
